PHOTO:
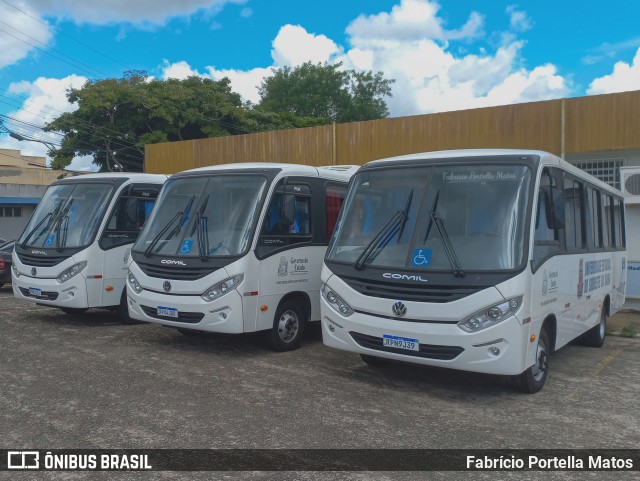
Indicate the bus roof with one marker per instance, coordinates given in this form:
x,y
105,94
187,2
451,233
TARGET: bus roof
x,y
334,172
110,176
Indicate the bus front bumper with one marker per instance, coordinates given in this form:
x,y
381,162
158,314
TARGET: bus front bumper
x,y
500,349
71,294
188,311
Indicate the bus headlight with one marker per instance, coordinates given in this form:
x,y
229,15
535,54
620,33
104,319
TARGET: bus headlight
x,y
72,271
221,288
133,282
15,271
491,315
336,301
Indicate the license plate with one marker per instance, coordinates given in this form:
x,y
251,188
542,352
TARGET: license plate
x,y
400,342
34,291
167,311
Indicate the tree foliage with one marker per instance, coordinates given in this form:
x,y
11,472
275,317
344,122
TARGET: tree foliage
x,y
326,92
115,118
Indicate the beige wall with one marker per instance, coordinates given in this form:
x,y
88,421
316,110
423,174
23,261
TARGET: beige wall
x,y
24,169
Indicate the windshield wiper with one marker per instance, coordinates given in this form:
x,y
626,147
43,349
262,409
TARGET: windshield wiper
x,y
63,217
178,228
200,226
434,218
382,238
53,215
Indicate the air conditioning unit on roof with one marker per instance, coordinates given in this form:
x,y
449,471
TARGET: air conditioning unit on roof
x,y
630,184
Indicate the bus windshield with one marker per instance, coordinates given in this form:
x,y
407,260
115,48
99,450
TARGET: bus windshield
x,y
68,215
456,218
203,216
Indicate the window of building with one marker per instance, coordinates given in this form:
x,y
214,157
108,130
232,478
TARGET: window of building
x,y
11,211
607,170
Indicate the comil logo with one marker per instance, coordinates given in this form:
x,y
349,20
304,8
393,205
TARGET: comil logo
x,y
172,262
403,277
23,460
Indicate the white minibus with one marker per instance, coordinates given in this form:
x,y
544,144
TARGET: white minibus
x,y
74,252
237,248
478,260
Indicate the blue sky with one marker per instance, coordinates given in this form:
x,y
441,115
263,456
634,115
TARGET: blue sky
x,y
444,55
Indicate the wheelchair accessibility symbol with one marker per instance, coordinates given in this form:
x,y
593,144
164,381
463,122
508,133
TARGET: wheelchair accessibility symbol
x,y
186,246
421,257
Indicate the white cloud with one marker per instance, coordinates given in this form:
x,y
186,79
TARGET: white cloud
x,y
45,100
14,45
246,12
294,46
141,12
518,19
624,77
244,82
411,20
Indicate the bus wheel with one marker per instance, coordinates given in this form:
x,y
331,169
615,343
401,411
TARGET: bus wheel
x,y
532,380
73,311
123,310
374,361
288,326
594,337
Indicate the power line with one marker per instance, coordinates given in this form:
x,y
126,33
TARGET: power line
x,y
66,35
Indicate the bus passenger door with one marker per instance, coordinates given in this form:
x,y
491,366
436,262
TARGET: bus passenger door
x,y
289,261
125,222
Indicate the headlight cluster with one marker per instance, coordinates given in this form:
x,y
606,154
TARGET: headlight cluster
x,y
221,288
15,270
491,315
336,301
133,282
72,271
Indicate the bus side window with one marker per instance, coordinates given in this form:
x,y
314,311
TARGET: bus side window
x,y
334,198
549,229
126,221
594,223
285,224
574,232
607,234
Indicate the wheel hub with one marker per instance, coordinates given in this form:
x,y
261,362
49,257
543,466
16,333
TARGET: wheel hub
x,y
288,326
540,367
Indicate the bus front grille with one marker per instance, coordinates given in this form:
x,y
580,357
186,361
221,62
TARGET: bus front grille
x,y
175,273
427,351
186,317
426,293
40,261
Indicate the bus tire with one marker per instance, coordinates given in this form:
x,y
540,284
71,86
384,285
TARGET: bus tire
x,y
373,361
288,326
532,379
123,310
594,337
74,311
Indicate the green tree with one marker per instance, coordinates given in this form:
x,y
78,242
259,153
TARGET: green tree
x,y
324,93
115,118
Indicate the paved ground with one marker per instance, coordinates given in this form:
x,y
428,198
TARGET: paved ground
x,y
91,382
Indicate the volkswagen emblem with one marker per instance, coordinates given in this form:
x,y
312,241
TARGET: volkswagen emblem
x,y
166,286
399,309
33,271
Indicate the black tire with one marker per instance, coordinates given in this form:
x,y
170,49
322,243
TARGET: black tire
x,y
123,310
74,311
532,380
288,326
374,361
594,337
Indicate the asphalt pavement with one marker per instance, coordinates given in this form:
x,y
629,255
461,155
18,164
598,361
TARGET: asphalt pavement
x,y
91,382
